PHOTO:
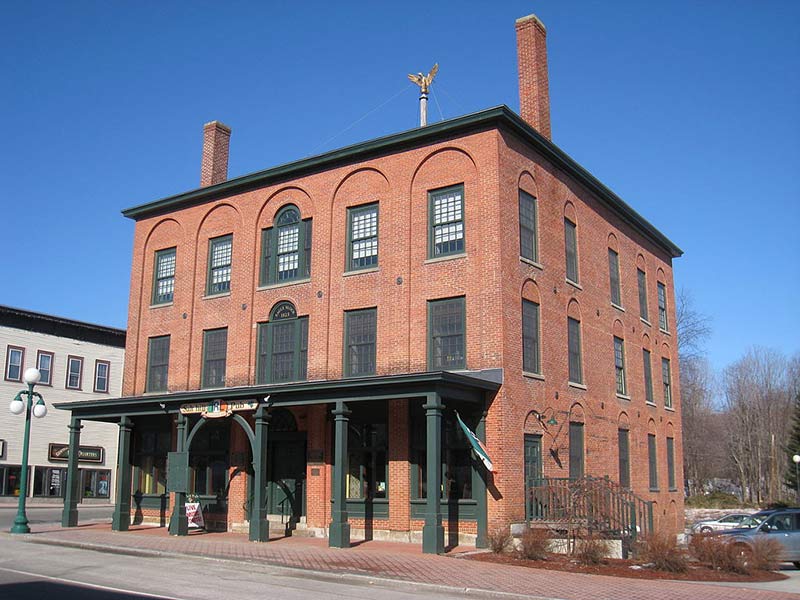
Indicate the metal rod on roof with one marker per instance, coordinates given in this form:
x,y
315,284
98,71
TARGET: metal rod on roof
x,y
424,82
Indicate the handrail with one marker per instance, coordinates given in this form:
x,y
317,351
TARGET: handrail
x,y
596,504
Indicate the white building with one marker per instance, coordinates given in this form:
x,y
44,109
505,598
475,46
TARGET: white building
x,y
78,361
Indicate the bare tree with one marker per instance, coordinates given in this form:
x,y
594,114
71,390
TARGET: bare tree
x,y
703,461
697,388
693,327
758,400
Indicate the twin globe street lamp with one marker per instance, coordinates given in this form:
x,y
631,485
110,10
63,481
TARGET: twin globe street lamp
x,y
23,401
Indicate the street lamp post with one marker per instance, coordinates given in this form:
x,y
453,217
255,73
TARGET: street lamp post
x,y
23,401
796,460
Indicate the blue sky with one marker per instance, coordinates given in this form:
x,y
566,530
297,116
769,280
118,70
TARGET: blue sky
x,y
688,110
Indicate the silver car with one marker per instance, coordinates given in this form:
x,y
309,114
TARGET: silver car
x,y
782,525
731,521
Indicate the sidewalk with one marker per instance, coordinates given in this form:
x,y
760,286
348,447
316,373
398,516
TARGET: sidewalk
x,y
393,561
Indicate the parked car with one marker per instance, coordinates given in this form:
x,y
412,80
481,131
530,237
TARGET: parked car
x,y
727,522
782,525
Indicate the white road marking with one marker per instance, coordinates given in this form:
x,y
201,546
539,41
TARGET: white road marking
x,y
91,585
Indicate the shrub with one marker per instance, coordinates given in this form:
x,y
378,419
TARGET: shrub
x,y
765,554
718,553
662,551
499,539
591,551
534,544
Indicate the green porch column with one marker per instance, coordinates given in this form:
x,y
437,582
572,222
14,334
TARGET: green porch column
x,y
339,530
69,516
259,524
479,478
178,522
432,531
122,508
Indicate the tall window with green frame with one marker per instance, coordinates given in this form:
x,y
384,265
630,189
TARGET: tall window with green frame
x,y
571,248
662,307
666,378
367,454
641,277
157,364
447,347
456,455
648,376
652,461
164,276
574,350
623,443
282,346
446,218
362,237
208,462
619,366
531,362
576,450
360,332
613,271
150,448
671,463
220,256
528,244
215,351
286,248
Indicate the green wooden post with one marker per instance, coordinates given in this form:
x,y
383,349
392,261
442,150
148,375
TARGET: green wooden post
x,y
479,478
259,524
432,531
122,508
69,516
339,530
179,522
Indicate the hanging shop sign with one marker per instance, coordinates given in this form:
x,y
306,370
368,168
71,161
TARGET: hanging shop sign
x,y
218,408
60,452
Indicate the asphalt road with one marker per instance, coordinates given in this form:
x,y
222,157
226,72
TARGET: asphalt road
x,y
51,514
30,571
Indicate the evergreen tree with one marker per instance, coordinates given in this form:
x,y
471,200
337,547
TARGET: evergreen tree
x,y
793,447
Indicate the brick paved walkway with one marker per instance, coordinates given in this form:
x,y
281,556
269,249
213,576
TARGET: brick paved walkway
x,y
403,562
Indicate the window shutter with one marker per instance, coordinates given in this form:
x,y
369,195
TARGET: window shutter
x,y
307,249
265,275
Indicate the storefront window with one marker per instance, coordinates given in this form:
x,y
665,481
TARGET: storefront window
x,y
95,483
456,456
208,460
50,482
10,480
150,460
366,477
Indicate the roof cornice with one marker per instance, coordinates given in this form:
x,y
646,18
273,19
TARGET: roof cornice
x,y
28,320
500,117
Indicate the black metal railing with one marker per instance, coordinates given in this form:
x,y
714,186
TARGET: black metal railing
x,y
595,504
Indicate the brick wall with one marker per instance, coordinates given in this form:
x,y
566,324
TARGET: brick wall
x,y
492,167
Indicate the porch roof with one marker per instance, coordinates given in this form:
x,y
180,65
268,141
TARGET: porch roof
x,y
463,386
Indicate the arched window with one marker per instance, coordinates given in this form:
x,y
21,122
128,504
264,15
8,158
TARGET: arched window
x,y
286,248
282,346
282,420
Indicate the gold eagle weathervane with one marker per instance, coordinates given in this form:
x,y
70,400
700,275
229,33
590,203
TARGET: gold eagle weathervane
x,y
424,83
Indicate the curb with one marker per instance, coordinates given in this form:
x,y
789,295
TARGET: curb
x,y
333,576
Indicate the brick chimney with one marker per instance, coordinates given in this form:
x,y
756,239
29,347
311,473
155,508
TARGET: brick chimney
x,y
216,141
534,90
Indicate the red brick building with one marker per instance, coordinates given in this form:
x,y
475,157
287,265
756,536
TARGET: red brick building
x,y
341,309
